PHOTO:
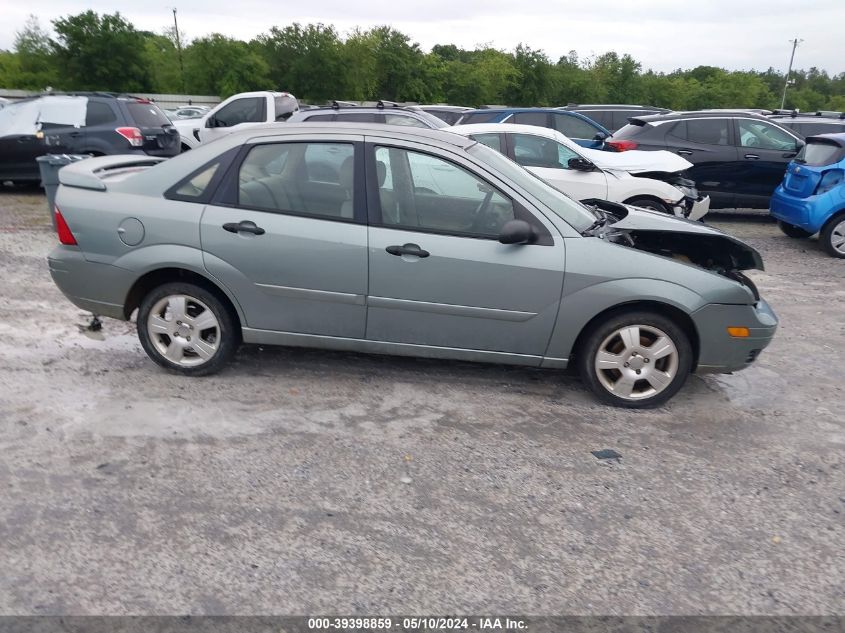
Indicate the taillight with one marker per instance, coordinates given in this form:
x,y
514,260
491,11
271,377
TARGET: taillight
x,y
65,236
621,145
830,179
131,134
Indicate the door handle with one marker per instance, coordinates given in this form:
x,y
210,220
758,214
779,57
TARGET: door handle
x,y
685,152
244,226
407,249
752,156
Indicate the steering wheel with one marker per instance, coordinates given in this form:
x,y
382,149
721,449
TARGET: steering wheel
x,y
482,214
752,141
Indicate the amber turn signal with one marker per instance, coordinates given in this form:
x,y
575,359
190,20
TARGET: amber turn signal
x,y
739,332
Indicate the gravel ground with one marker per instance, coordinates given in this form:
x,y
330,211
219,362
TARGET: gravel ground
x,y
303,482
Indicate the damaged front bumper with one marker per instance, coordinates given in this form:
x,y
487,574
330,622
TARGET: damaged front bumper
x,y
692,208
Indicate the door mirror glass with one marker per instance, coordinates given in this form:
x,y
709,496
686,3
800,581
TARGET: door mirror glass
x,y
211,122
600,136
581,164
516,232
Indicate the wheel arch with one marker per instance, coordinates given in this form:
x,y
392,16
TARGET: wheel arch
x,y
836,215
678,316
154,278
650,197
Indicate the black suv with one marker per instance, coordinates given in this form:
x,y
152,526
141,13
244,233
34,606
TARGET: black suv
x,y
613,115
738,158
810,124
96,123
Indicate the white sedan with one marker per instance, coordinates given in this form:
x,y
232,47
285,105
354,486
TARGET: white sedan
x,y
652,180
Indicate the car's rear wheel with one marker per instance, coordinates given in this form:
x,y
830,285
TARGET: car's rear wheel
x,y
832,237
648,203
635,359
187,329
793,231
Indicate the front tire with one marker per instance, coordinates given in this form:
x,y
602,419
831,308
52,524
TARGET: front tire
x,y
832,237
795,232
186,329
648,203
635,359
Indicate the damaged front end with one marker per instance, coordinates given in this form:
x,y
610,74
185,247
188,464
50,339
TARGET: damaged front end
x,y
695,206
683,240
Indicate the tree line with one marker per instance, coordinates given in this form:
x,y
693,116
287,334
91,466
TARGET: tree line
x,y
89,51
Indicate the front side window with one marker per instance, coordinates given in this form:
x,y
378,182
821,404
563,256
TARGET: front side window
x,y
574,127
299,178
246,110
537,151
703,131
764,135
423,192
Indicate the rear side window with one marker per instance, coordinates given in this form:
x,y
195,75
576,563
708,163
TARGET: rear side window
x,y
356,117
574,127
479,117
820,153
490,140
602,117
321,117
315,179
246,110
631,130
540,119
147,114
702,131
99,113
401,119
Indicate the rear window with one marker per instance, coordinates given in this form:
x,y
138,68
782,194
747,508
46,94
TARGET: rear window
x,y
479,117
147,114
819,153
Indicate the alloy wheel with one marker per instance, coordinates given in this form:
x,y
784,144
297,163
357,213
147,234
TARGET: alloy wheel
x,y
184,330
636,362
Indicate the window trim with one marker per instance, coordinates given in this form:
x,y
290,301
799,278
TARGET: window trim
x,y
373,202
227,195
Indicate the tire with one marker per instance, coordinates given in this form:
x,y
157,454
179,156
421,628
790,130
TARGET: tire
x,y
171,320
648,203
832,236
793,231
626,351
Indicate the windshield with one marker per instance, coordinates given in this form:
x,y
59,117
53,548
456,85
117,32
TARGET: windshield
x,y
818,153
574,213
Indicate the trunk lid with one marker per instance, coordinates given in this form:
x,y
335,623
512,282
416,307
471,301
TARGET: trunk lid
x,y
801,181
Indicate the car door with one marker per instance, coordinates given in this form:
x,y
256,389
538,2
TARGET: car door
x,y
764,152
708,144
287,235
549,160
237,114
438,274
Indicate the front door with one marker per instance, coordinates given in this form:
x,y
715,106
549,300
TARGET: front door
x,y
288,238
438,275
549,160
764,152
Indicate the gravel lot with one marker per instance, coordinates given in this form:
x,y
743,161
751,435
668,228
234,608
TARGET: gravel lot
x,y
303,482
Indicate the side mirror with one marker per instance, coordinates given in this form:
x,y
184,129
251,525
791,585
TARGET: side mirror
x,y
580,164
516,232
600,136
211,122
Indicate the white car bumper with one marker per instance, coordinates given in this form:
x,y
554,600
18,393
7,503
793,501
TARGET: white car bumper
x,y
698,210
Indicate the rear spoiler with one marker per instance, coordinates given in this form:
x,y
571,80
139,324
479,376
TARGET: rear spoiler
x,y
89,173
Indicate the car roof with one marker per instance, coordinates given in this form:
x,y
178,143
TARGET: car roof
x,y
699,114
605,106
809,118
513,128
442,135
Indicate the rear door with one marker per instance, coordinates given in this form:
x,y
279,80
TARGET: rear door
x,y
287,235
764,151
549,160
438,275
708,144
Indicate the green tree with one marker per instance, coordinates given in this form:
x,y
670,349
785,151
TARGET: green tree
x,y
219,65
95,52
35,61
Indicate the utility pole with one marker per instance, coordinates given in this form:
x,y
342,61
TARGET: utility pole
x,y
179,49
795,44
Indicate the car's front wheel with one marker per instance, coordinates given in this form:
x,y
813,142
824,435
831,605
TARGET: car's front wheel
x,y
793,231
187,329
832,237
635,359
648,203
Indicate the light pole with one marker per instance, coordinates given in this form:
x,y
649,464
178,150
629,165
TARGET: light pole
x,y
795,44
179,49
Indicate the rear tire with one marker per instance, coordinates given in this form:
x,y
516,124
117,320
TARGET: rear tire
x,y
635,359
648,203
832,236
790,230
187,329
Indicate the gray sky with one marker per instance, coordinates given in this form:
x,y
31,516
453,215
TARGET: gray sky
x,y
661,34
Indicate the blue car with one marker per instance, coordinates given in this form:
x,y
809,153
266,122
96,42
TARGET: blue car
x,y
581,129
811,198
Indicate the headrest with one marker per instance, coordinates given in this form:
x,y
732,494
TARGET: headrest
x,y
346,176
381,169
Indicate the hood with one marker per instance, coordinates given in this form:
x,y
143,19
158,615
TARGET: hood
x,y
635,161
666,235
